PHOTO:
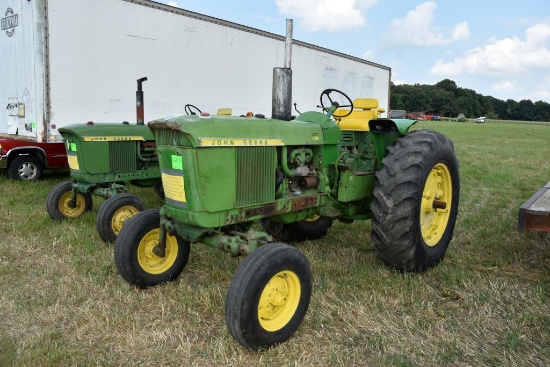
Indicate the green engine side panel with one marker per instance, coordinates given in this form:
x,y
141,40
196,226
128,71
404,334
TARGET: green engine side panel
x,y
354,187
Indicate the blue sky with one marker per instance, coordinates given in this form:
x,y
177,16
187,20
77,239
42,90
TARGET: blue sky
x,y
496,48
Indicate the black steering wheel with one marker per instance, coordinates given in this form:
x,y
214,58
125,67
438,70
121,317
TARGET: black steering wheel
x,y
189,109
327,93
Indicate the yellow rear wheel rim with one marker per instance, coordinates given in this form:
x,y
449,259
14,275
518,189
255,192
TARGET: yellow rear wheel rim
x,y
279,300
149,261
436,204
121,215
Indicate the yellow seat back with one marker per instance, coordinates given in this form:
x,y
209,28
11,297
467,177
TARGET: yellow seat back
x,y
225,111
364,110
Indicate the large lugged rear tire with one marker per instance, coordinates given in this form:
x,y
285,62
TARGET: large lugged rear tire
x,y
114,212
60,204
136,253
268,296
415,202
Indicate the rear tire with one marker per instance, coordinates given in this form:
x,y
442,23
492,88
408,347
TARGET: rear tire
x,y
268,296
26,167
59,202
114,212
309,229
415,202
135,251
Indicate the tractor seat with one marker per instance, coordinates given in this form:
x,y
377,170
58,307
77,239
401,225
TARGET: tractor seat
x,y
365,109
225,111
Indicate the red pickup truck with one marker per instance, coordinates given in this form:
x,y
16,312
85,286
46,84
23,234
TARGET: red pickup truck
x,y
27,159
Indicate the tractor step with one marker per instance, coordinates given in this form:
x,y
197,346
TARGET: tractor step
x,y
534,215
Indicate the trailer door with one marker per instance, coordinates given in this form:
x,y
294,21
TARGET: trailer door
x,y
18,86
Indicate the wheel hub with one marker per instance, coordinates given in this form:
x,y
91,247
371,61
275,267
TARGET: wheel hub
x,y
436,203
122,215
279,300
69,207
147,255
27,170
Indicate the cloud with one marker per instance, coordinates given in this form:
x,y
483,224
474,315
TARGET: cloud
x,y
505,86
326,15
173,3
503,57
268,19
417,28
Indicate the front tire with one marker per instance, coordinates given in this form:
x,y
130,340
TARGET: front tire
x,y
415,202
26,167
136,253
114,212
268,296
60,204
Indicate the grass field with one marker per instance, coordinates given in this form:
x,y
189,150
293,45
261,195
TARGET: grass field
x,y
62,302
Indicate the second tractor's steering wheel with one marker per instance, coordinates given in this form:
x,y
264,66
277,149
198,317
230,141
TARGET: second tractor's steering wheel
x,y
327,93
189,109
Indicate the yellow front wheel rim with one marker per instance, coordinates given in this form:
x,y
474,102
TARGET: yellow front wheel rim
x,y
149,260
121,215
279,300
436,204
312,219
67,210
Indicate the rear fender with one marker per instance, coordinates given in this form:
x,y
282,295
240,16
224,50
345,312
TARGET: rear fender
x,y
384,134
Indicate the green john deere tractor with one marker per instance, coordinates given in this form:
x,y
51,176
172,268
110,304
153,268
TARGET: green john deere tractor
x,y
223,175
104,159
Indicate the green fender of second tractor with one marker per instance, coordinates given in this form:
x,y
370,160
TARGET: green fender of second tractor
x,y
384,134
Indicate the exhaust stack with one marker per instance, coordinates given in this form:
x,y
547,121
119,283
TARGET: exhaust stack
x,y
140,111
281,102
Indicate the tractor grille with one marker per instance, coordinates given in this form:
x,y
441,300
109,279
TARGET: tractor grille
x,y
123,156
255,175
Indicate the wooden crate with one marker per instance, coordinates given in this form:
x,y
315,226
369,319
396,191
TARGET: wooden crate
x,y
534,215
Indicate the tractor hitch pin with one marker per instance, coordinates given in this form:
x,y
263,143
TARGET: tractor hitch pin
x,y
438,204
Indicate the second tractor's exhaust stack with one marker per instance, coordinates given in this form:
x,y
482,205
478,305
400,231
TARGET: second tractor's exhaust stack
x,y
140,109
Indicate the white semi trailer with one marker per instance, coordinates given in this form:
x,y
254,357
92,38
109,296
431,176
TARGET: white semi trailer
x,y
67,62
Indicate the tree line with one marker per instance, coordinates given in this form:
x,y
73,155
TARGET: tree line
x,y
448,100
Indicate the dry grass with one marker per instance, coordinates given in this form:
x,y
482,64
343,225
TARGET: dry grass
x,y
63,303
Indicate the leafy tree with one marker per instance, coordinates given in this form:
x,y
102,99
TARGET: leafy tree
x,y
447,99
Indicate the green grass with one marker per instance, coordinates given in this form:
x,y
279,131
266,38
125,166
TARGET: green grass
x,y
63,303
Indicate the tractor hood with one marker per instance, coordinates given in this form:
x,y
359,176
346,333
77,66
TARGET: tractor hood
x,y
236,131
107,132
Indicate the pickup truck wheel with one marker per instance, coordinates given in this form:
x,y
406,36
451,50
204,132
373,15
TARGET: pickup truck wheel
x,y
60,204
309,229
114,212
415,202
26,167
137,256
268,296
